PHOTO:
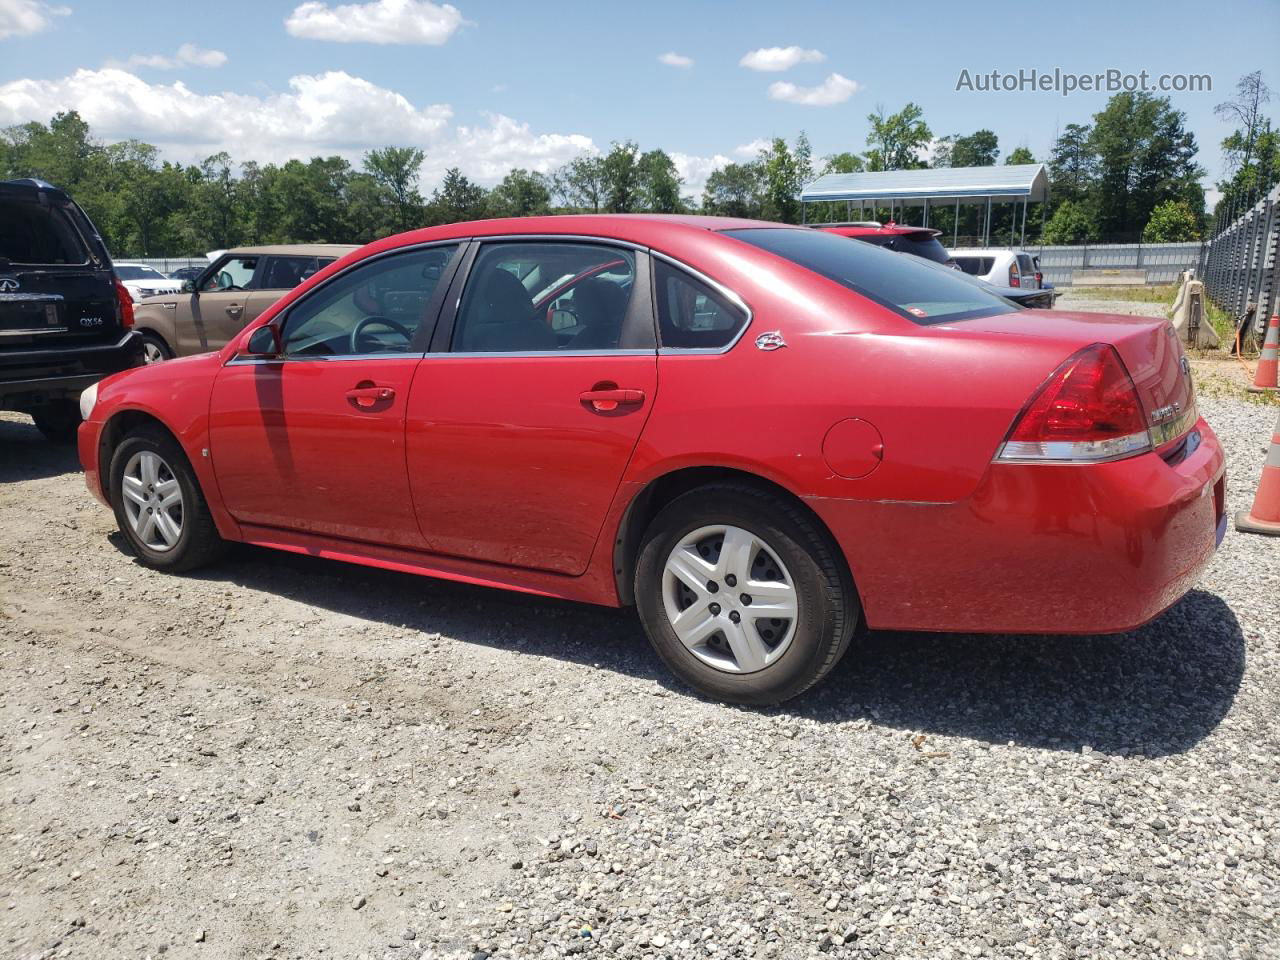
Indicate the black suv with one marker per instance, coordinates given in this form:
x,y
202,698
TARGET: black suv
x,y
64,316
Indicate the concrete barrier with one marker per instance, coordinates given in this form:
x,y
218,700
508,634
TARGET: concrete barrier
x,y
1108,278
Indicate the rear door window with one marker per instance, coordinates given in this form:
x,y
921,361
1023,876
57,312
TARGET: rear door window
x,y
976,266
31,233
917,291
285,273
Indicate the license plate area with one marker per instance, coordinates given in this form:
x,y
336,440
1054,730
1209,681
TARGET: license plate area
x,y
27,316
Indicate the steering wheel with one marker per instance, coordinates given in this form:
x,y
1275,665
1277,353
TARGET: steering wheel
x,y
377,321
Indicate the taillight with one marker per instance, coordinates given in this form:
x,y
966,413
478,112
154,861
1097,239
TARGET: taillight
x,y
124,303
1013,275
1039,279
1088,410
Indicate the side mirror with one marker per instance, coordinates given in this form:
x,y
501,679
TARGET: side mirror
x,y
264,342
188,286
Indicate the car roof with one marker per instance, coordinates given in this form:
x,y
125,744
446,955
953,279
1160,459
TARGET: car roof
x,y
297,249
882,230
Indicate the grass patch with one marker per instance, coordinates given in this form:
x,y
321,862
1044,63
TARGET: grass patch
x,y
1159,294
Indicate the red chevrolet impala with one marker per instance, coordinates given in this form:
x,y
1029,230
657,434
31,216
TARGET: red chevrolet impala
x,y
759,435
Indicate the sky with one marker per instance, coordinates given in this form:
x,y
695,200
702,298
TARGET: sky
x,y
487,86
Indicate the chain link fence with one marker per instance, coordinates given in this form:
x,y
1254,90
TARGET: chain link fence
x,y
1240,266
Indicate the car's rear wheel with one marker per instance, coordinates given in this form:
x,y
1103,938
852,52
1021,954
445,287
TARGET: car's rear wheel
x,y
742,595
154,349
158,504
58,420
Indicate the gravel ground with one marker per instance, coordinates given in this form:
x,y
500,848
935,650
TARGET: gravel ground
x,y
1074,300
291,758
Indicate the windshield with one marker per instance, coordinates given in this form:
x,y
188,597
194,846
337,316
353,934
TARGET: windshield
x,y
909,286
128,272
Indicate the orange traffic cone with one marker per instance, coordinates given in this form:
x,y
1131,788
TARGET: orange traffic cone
x,y
1265,515
1265,378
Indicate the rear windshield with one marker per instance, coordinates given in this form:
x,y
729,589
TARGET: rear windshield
x,y
917,291
917,244
36,234
975,266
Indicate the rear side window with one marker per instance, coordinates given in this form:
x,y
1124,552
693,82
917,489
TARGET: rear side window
x,y
1024,264
285,273
691,314
36,234
976,266
917,291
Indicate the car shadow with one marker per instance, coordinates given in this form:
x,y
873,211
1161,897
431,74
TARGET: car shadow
x,y
26,455
1155,691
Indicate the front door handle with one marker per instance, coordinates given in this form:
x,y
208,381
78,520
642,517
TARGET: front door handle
x,y
605,400
368,396
234,311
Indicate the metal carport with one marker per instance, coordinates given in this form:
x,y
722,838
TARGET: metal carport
x,y
1025,182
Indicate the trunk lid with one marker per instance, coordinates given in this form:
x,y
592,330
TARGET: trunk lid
x,y
1149,347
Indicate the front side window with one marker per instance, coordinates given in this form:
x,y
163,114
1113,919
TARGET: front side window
x,y
545,296
691,314
234,273
908,286
377,307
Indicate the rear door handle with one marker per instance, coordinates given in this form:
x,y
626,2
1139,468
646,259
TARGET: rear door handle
x,y
606,400
368,396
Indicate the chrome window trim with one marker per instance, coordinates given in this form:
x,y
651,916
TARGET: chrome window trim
x,y
569,237
730,295
509,355
283,316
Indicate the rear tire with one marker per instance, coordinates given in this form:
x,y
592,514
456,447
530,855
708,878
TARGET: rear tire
x,y
154,349
158,503
777,609
58,420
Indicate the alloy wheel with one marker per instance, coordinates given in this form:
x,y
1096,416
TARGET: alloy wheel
x,y
152,501
151,352
730,599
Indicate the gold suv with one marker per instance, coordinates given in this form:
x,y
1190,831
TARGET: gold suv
x,y
232,291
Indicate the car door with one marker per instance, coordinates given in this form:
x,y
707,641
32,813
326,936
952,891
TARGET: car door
x,y
312,439
525,414
217,306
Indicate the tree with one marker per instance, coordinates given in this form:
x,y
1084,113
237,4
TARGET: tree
x,y
660,182
456,199
580,183
521,193
1072,163
803,156
735,190
1070,223
395,170
1145,156
621,178
896,140
1172,222
1019,155
843,163
1245,109
978,149
781,182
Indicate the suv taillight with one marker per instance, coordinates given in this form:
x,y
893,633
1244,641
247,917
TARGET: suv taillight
x,y
124,303
1013,275
1039,279
1087,411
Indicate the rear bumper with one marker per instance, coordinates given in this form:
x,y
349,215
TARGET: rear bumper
x,y
31,377
1101,548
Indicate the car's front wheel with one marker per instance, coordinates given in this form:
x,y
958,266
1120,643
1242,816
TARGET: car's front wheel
x,y
742,595
154,349
158,504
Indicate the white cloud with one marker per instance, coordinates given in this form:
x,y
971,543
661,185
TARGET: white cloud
x,y
20,18
835,89
694,170
776,59
381,21
749,151
673,59
328,113
188,55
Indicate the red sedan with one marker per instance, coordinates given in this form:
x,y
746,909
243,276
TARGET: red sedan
x,y
759,435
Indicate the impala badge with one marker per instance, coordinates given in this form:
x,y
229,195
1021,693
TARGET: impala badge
x,y
770,341
1166,413
9,284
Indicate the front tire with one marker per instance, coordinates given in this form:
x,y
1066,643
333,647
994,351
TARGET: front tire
x,y
743,595
158,504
